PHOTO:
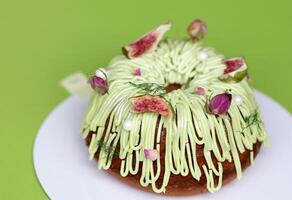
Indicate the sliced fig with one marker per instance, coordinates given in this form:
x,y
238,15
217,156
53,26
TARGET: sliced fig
x,y
235,71
149,103
146,43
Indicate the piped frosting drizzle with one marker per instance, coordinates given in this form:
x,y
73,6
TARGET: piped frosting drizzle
x,y
174,61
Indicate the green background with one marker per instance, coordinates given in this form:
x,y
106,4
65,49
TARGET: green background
x,y
41,42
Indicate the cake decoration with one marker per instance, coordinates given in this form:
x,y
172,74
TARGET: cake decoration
x,y
150,88
252,120
128,125
148,103
220,104
98,84
197,29
146,43
199,90
202,56
151,154
238,100
137,72
183,109
101,72
235,71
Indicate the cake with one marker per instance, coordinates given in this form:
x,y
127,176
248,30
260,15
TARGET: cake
x,y
173,117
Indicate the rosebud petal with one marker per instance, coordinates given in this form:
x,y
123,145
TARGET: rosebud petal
x,y
197,29
220,104
98,84
137,72
151,154
199,90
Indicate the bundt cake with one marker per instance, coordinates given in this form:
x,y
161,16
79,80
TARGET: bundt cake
x,y
173,116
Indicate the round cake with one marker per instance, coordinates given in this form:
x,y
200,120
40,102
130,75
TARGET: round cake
x,y
173,116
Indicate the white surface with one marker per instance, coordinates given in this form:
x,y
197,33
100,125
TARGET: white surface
x,y
64,171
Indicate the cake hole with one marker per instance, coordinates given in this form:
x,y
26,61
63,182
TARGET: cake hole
x,y
172,86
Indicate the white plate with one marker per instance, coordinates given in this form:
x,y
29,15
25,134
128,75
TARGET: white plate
x,y
64,171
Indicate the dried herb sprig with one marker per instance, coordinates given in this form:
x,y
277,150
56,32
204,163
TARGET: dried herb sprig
x,y
110,151
252,119
150,88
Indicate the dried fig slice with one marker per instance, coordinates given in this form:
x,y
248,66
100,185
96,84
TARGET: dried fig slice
x,y
235,71
146,43
149,103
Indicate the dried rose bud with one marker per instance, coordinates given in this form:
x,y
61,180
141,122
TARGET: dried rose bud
x,y
101,72
151,154
220,104
197,29
99,81
146,43
235,70
199,90
149,103
137,72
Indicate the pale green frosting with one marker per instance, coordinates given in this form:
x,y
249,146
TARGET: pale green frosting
x,y
174,61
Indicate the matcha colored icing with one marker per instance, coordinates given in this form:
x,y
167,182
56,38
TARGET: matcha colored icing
x,y
173,61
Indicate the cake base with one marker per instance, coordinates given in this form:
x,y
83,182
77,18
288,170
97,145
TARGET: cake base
x,y
179,185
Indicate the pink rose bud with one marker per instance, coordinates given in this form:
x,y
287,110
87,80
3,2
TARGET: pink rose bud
x,y
199,90
197,29
220,104
98,84
137,72
151,154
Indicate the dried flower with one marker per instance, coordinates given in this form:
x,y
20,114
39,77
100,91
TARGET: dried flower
x,y
220,104
197,29
102,73
137,72
149,103
151,154
146,43
200,90
98,82
235,70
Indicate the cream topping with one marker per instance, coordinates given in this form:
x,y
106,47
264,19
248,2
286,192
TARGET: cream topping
x,y
174,61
